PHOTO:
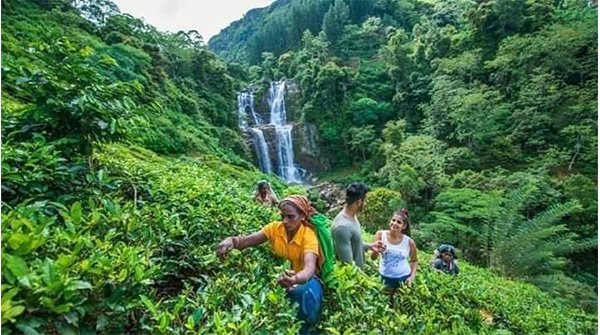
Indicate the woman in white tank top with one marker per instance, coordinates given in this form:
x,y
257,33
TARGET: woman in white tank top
x,y
398,251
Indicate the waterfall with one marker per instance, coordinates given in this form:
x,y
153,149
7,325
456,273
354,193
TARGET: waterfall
x,y
282,141
285,154
246,108
277,103
242,123
283,132
262,150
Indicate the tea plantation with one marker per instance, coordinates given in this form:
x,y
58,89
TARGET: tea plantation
x,y
123,165
138,256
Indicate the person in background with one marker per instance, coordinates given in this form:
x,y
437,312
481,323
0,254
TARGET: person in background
x,y
294,239
346,230
445,260
398,264
264,194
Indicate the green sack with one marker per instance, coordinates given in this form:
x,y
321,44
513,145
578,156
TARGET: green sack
x,y
322,226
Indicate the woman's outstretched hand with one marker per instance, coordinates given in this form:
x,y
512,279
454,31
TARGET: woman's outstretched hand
x,y
225,247
378,247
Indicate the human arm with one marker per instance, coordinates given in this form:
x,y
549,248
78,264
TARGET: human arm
x,y
413,260
456,268
274,199
240,243
341,241
378,242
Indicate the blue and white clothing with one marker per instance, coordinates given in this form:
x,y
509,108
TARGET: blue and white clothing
x,y
394,261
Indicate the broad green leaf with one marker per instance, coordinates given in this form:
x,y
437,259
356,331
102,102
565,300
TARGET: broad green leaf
x,y
76,212
79,285
49,274
122,275
16,265
11,312
148,303
27,329
16,240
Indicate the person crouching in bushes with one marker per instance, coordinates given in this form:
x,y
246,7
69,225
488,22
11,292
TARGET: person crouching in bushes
x,y
294,238
398,264
264,194
445,260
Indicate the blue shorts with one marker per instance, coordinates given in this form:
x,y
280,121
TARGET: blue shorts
x,y
310,298
393,283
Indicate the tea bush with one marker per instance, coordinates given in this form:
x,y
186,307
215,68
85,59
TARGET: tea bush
x,y
139,257
121,240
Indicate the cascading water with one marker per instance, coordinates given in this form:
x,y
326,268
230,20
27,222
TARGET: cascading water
x,y
282,141
246,108
277,103
283,133
285,154
262,150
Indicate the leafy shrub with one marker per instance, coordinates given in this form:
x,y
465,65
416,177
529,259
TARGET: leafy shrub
x,y
381,204
140,259
33,170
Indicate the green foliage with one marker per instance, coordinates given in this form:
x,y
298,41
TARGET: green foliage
x,y
334,20
381,205
462,217
480,116
141,259
70,99
422,158
75,90
102,257
441,304
364,110
294,189
460,158
37,170
495,229
360,138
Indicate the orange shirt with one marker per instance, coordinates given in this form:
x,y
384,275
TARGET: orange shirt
x,y
304,241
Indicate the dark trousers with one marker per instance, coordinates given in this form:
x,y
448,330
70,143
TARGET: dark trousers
x,y
310,298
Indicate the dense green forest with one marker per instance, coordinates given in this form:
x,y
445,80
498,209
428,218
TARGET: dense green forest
x,y
122,164
483,115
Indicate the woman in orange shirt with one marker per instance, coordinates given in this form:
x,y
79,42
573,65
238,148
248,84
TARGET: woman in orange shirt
x,y
294,238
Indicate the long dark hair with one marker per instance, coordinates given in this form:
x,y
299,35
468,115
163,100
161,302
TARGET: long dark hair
x,y
403,213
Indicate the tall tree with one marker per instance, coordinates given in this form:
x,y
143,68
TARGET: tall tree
x,y
334,21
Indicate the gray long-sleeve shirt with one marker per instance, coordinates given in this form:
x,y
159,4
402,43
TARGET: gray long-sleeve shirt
x,y
347,239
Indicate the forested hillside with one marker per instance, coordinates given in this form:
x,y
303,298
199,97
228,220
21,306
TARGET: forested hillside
x,y
123,167
482,115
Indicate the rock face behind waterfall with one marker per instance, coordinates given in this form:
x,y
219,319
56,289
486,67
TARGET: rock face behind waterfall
x,y
305,135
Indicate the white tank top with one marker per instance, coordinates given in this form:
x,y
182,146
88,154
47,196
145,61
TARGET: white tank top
x,y
394,260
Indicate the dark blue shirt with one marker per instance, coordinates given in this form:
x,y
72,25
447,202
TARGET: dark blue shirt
x,y
451,268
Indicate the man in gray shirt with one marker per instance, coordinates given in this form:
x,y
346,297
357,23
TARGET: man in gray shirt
x,y
346,230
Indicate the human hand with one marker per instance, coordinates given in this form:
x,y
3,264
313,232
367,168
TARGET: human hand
x,y
224,248
410,280
378,247
287,279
